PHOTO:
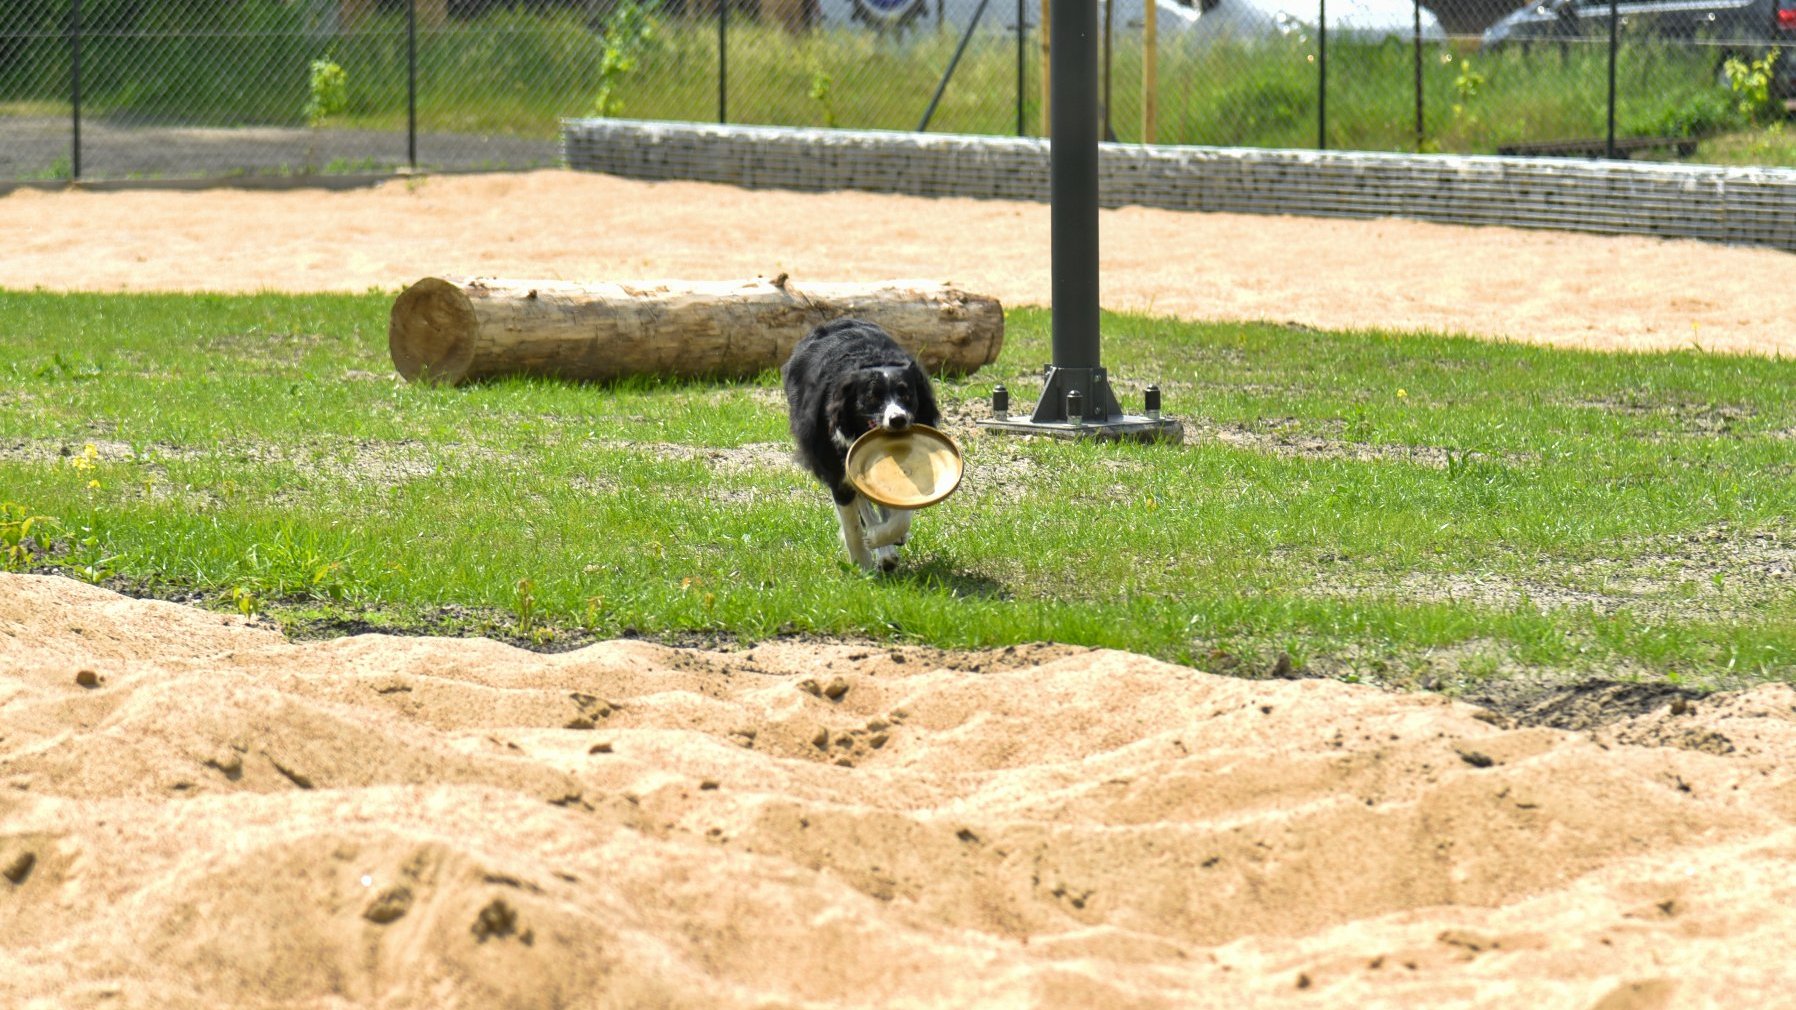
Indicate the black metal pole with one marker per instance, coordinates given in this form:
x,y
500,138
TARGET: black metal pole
x,y
1077,400
411,83
1019,67
953,62
1321,75
1612,21
1074,166
723,61
75,89
1417,5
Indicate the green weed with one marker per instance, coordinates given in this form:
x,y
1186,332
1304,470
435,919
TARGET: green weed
x,y
23,536
1750,81
328,95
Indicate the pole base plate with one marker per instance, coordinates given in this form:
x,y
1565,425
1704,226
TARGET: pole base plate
x,y
1118,428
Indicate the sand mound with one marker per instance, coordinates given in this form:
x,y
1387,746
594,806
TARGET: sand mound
x,y
227,818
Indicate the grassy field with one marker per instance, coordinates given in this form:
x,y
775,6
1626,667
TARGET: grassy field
x,y
1412,510
518,73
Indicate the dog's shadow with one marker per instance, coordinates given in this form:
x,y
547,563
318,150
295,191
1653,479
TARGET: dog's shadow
x,y
936,575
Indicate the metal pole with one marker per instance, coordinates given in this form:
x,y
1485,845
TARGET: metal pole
x,y
1019,67
411,84
1321,75
953,62
1077,400
1417,5
1612,21
723,61
1074,158
75,89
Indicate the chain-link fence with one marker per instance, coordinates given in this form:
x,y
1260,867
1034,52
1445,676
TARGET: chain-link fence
x,y
113,89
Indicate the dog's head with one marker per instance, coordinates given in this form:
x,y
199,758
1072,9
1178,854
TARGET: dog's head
x,y
889,397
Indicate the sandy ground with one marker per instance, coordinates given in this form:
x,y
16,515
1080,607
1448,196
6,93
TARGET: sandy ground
x,y
225,818
197,812
1561,288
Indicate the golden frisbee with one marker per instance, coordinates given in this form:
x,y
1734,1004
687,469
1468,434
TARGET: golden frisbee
x,y
908,469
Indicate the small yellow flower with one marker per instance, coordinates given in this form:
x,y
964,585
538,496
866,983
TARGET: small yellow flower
x,y
89,454
1402,394
93,484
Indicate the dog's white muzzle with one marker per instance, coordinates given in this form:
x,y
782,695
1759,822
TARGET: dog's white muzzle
x,y
895,418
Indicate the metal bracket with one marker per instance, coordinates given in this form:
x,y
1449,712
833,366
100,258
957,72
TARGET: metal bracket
x,y
1078,403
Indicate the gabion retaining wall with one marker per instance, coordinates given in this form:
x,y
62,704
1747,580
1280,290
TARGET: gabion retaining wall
x,y
1755,206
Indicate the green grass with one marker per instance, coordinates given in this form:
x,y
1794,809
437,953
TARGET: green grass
x,y
1403,509
518,73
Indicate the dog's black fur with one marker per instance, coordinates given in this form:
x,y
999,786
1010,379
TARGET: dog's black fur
x,y
838,382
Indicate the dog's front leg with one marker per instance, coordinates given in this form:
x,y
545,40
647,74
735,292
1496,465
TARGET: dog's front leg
x,y
854,536
889,527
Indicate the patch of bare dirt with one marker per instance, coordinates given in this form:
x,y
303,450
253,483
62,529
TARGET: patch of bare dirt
x,y
1704,419
751,457
1284,436
1720,573
1625,292
196,811
358,460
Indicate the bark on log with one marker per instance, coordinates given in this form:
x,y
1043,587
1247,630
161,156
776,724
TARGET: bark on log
x,y
454,331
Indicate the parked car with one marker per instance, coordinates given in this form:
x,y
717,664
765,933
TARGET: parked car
x,y
1730,28
1348,20
1197,20
999,16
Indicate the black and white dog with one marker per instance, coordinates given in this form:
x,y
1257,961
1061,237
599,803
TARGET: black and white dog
x,y
845,378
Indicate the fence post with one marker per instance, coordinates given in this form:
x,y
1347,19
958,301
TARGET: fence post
x,y
1109,132
75,89
1047,68
723,61
1612,21
1417,6
411,84
1150,68
1321,75
1019,67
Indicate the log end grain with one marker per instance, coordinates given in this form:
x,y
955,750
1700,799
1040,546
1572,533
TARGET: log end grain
x,y
431,332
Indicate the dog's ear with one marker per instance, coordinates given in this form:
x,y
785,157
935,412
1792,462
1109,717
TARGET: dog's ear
x,y
927,411
839,405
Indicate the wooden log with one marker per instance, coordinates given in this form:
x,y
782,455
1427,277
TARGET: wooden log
x,y
452,331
